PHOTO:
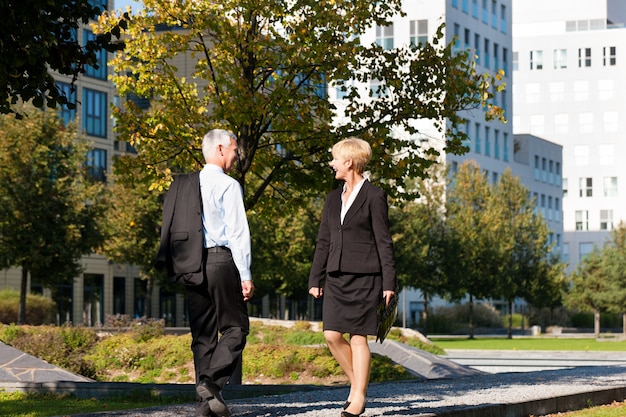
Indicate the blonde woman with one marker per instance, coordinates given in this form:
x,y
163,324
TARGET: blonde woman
x,y
353,266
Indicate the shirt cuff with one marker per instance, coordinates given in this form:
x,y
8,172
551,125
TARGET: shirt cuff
x,y
245,275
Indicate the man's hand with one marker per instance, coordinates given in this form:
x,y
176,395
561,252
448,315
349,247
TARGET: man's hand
x,y
247,289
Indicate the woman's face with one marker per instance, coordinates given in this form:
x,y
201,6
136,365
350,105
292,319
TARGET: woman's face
x,y
341,166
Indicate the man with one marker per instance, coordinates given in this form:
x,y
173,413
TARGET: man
x,y
217,305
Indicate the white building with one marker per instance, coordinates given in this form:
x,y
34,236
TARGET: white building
x,y
569,88
485,28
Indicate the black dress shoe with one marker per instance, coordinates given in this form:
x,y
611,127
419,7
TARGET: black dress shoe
x,y
210,392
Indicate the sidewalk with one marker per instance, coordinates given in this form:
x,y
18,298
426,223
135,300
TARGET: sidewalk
x,y
443,389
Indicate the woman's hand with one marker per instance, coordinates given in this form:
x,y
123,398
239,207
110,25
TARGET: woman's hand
x,y
387,296
316,292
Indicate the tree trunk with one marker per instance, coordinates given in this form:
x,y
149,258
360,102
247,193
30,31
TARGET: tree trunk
x,y
510,329
624,324
21,312
596,323
471,317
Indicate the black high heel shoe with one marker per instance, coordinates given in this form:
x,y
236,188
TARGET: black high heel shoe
x,y
349,414
346,405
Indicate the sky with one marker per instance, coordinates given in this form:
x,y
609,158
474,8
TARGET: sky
x,y
121,4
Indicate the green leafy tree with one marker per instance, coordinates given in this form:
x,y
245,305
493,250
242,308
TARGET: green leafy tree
x,y
474,271
589,287
49,204
38,37
614,262
420,236
261,69
132,226
525,264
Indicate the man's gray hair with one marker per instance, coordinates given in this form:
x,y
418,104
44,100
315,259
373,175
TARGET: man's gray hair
x,y
214,138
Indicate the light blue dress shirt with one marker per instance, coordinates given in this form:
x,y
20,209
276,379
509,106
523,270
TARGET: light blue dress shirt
x,y
224,216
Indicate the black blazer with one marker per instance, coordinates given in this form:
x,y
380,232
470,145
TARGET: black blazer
x,y
182,235
362,245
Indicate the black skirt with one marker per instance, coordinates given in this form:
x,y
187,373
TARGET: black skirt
x,y
350,303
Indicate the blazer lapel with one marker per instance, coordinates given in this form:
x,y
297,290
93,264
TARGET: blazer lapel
x,y
360,199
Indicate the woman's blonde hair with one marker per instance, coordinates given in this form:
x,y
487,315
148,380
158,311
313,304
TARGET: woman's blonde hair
x,y
356,149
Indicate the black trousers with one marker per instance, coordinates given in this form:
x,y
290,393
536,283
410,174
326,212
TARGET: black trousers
x,y
217,308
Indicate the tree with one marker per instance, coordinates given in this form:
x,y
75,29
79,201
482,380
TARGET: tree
x,y
589,287
261,69
49,203
474,271
614,262
132,225
39,37
526,266
420,236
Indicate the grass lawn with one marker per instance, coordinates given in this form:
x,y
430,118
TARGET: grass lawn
x,y
531,343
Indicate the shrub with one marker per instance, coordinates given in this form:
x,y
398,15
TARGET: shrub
x,y
39,309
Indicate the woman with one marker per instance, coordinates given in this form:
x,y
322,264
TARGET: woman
x,y
353,266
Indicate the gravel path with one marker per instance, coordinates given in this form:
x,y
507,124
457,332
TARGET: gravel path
x,y
465,396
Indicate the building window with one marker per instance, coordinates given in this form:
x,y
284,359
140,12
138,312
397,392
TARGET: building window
x,y
557,209
91,71
455,4
607,153
551,172
557,169
550,208
585,187
582,220
505,150
584,57
97,164
384,36
537,169
496,57
487,141
477,143
561,123
560,58
494,14
505,61
585,122
475,9
485,12
465,6
606,219
477,47
68,115
466,39
119,295
609,56
377,89
584,249
536,60
610,186
496,144
503,26
486,61
544,170
95,112
565,187
419,32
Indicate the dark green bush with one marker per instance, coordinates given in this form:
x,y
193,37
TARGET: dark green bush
x,y
39,309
